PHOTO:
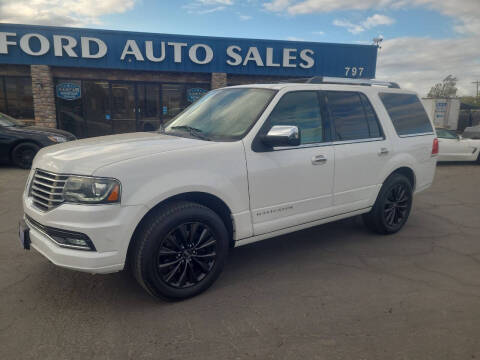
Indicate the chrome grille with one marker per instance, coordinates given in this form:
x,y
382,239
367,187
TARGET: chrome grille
x,y
46,189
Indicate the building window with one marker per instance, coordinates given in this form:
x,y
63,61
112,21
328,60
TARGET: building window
x,y
16,97
89,108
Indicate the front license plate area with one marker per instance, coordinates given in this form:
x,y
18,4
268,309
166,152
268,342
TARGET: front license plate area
x,y
24,234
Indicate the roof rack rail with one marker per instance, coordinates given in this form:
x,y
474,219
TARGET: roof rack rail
x,y
343,81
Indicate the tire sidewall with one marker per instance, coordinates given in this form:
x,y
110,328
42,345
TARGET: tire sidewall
x,y
156,233
386,189
21,147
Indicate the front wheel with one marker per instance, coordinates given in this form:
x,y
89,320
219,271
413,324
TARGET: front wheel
x,y
23,154
180,250
392,207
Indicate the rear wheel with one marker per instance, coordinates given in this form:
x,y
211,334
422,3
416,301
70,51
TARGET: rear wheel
x,y
23,154
180,250
392,207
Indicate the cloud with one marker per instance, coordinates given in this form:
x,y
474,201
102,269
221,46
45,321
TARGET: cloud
x,y
277,5
376,20
244,17
215,2
465,12
294,38
419,63
318,32
206,6
352,28
60,12
368,23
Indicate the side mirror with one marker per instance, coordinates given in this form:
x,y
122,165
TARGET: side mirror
x,y
282,135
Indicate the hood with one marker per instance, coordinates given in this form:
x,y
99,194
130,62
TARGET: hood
x,y
37,130
85,156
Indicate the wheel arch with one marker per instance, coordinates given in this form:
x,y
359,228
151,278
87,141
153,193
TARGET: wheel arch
x,y
407,172
208,200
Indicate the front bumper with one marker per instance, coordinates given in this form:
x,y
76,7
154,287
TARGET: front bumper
x,y
110,227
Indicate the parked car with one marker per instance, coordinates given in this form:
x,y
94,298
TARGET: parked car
x,y
453,147
19,143
472,132
242,164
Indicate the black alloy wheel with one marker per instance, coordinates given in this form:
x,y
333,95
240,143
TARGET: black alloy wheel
x,y
23,154
396,205
179,250
186,255
392,207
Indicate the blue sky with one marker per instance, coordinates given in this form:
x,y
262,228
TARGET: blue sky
x,y
252,20
424,40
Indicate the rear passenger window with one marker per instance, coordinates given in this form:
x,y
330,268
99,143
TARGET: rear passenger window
x,y
372,120
352,115
302,109
407,113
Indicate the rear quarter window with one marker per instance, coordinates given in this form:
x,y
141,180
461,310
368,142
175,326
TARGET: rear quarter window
x,y
407,113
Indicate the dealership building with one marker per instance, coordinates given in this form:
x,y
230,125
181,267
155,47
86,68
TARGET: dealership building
x,y
98,82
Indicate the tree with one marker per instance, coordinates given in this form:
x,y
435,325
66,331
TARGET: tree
x,y
445,89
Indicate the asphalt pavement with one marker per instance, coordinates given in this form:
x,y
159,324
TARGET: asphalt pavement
x,y
335,291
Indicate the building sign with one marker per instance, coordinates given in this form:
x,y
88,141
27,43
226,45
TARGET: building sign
x,y
57,46
69,91
194,94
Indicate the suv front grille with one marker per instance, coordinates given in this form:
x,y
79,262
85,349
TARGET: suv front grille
x,y
46,189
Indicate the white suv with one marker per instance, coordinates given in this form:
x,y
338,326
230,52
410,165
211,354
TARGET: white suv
x,y
242,164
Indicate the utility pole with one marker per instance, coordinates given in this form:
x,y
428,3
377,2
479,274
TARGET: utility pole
x,y
476,83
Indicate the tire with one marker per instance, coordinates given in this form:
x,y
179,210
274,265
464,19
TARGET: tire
x,y
23,154
392,207
179,251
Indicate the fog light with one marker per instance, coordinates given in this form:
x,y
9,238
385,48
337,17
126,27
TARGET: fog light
x,y
64,238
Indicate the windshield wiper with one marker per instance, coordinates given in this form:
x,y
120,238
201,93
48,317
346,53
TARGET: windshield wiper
x,y
193,131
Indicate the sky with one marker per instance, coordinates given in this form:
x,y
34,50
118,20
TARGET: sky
x,y
423,40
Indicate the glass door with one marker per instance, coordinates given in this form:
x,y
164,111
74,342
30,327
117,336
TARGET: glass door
x,y
148,107
123,108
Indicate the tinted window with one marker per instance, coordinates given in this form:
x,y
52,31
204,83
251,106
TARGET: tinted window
x,y
407,113
300,108
349,117
16,97
372,120
446,134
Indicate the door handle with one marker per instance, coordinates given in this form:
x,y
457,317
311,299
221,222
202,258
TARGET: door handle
x,y
319,160
383,151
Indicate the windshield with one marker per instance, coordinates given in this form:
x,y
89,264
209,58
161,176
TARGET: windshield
x,y
224,114
8,121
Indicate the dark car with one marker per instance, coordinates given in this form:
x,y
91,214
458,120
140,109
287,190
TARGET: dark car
x,y
19,143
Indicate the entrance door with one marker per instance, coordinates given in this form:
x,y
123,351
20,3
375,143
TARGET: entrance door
x,y
148,107
123,108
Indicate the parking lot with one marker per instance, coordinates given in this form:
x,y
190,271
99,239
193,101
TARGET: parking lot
x,y
330,292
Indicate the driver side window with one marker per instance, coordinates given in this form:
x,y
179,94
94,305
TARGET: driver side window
x,y
301,109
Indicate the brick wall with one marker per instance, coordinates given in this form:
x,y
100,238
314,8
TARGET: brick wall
x,y
218,80
43,96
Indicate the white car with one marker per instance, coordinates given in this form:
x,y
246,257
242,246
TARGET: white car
x,y
242,164
453,147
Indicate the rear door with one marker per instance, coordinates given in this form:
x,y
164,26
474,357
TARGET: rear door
x,y
361,150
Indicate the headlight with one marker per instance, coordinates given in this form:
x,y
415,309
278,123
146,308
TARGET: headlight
x,y
57,139
91,190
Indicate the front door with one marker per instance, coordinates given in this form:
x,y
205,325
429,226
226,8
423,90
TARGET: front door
x,y
149,108
123,108
293,185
